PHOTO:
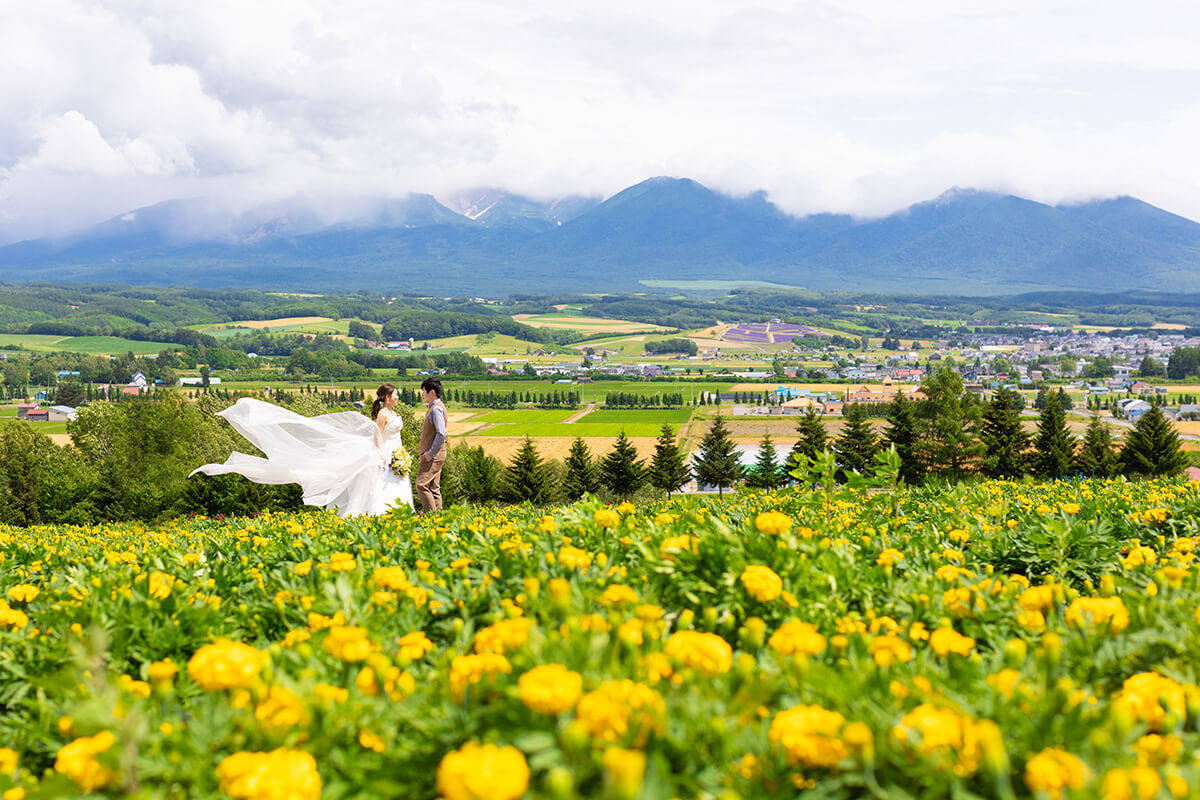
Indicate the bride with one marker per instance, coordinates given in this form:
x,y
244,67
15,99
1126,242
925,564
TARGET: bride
x,y
341,461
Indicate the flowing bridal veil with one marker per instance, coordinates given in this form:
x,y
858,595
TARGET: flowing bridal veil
x,y
340,460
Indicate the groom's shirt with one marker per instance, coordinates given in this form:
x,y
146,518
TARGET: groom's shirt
x,y
436,416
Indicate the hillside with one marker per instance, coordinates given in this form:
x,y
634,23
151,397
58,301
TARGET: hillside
x,y
492,242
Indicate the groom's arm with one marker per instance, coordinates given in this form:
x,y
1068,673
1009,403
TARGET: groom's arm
x,y
439,429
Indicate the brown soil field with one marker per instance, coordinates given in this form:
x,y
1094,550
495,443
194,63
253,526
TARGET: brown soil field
x,y
503,447
812,387
591,324
1169,326
279,323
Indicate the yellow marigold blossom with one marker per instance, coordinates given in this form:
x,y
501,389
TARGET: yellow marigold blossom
x,y
483,772
616,594
958,601
341,562
78,762
393,579
1005,682
1135,783
225,665
12,617
624,770
951,573
1098,612
761,583
948,739
884,623
505,636
460,563
469,670
23,593
328,693
677,544
773,523
809,736
1069,508
889,649
134,687
1155,515
1031,620
15,793
944,641
574,558
620,710
319,622
1037,598
917,632
281,774
631,632
795,638
415,645
1154,750
303,568
607,518
889,557
550,688
705,652
349,643
1149,697
658,666
159,585
369,740
1053,770
293,638
162,673
8,761
594,623
279,708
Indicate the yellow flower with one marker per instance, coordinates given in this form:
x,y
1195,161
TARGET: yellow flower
x,y
1037,598
1053,770
78,762
1135,783
281,774
483,772
809,736
348,643
889,557
761,583
624,770
15,793
550,689
1107,613
505,636
705,652
8,761
162,673
1149,697
678,544
393,579
159,585
773,523
225,665
23,593
607,518
279,708
947,640
794,638
136,688
466,671
948,739
303,568
327,693
1005,681
370,741
616,594
888,649
574,558
12,617
415,645
620,710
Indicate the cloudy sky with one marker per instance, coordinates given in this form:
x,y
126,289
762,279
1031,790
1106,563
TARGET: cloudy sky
x,y
859,106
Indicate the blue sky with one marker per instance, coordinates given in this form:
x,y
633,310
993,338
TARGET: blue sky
x,y
861,107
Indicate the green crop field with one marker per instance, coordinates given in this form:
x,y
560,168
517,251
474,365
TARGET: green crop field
x,y
47,428
111,345
604,430
526,416
646,415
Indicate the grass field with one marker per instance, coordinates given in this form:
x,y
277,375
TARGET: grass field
x,y
98,345
527,416
675,416
584,324
495,346
48,428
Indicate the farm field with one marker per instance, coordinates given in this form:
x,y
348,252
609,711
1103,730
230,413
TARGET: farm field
x,y
549,447
604,430
526,415
99,345
655,416
572,321
990,641
498,345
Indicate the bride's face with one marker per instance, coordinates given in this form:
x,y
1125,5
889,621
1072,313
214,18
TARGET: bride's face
x,y
392,399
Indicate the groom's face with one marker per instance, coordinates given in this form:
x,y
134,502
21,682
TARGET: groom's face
x,y
428,396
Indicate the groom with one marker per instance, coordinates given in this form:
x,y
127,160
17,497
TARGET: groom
x,y
432,449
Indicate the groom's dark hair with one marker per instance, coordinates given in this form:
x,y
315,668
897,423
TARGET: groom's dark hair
x,y
432,385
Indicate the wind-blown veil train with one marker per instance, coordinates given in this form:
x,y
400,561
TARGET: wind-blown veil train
x,y
341,461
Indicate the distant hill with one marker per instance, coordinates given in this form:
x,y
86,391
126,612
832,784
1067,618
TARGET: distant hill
x,y
489,241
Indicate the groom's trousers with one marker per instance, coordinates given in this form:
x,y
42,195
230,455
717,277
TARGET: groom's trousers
x,y
429,482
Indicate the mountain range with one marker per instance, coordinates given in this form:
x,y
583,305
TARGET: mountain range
x,y
493,242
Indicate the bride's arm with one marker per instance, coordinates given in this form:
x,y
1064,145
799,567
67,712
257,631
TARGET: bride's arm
x,y
381,421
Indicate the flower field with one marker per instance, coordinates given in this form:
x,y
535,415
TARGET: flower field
x,y
995,640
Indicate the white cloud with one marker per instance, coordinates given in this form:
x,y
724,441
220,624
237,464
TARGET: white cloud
x,y
859,105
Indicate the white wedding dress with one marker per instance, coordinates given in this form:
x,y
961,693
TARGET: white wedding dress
x,y
340,460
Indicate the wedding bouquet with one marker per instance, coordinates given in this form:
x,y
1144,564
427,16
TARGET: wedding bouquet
x,y
401,462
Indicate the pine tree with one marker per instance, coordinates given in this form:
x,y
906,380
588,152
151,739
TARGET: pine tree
x,y
858,443
1152,447
766,473
668,469
1053,443
621,472
480,479
581,477
901,434
717,463
1097,457
525,478
948,420
1004,440
813,438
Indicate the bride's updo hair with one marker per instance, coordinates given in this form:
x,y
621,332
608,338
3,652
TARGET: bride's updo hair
x,y
381,395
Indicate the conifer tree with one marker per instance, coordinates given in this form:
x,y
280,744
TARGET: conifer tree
x,y
1097,457
668,469
1054,445
480,479
813,438
1004,440
717,463
858,443
621,472
948,420
1152,447
901,434
526,478
766,473
581,476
